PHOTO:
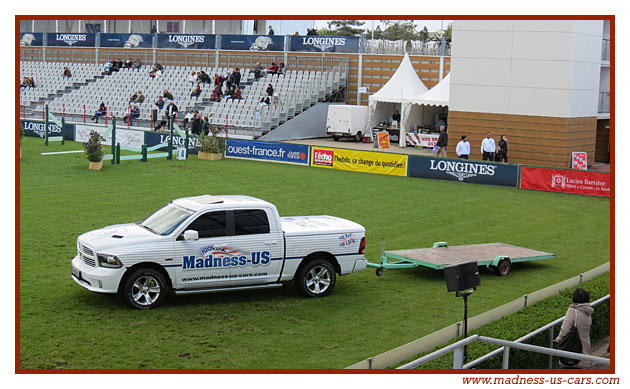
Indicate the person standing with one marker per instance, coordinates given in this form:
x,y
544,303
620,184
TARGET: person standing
x,y
578,315
463,148
503,147
271,31
488,148
442,142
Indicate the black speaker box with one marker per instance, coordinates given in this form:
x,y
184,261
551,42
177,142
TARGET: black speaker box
x,y
462,277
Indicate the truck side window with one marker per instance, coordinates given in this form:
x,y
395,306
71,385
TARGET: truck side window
x,y
210,224
250,221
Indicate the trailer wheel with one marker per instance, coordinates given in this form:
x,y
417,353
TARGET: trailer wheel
x,y
503,268
358,136
316,279
379,271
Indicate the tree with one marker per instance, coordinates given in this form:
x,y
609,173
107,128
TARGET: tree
x,y
343,28
400,29
423,35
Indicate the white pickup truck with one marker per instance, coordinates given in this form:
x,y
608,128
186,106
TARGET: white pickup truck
x,y
217,243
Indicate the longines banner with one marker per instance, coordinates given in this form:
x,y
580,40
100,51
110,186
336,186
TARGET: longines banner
x,y
359,161
186,41
253,42
70,39
127,41
566,181
155,138
31,39
464,170
36,128
320,43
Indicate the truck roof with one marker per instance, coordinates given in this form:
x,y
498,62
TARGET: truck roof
x,y
199,203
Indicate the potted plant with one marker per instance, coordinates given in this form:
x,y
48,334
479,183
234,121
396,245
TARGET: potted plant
x,y
94,150
211,146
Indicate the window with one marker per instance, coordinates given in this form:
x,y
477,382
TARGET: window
x,y
210,224
250,221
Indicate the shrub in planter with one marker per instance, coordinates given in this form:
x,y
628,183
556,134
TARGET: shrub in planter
x,y
211,146
94,150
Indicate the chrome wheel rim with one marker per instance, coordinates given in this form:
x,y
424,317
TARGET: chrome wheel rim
x,y
318,279
145,290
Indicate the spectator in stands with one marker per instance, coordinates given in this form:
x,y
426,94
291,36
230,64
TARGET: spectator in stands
x,y
171,110
237,94
107,68
281,68
99,112
159,103
217,79
119,64
205,125
189,116
296,34
140,98
127,115
135,113
137,64
196,92
217,93
133,97
311,31
204,77
236,77
167,94
269,90
194,78
129,64
31,82
265,100
274,68
25,83
271,31
66,72
228,80
195,127
257,71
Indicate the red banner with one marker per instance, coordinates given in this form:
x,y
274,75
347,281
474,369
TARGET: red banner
x,y
566,181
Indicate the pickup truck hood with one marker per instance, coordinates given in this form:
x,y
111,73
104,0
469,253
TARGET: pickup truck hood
x,y
111,237
323,224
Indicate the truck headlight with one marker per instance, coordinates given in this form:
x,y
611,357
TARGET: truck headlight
x,y
106,260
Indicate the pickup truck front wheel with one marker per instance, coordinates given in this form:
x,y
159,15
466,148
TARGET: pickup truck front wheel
x,y
316,279
145,288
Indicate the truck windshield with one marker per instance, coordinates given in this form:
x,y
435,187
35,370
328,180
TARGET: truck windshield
x,y
166,219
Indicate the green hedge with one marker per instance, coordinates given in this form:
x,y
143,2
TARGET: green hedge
x,y
526,320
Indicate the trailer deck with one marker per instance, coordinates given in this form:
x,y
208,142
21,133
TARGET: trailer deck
x,y
499,256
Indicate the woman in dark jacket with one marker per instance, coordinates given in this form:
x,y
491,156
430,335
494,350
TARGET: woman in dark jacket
x,y
503,146
269,90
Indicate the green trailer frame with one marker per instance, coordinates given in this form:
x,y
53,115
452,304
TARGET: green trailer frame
x,y
496,256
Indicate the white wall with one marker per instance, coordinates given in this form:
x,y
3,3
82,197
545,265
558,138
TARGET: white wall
x,y
526,67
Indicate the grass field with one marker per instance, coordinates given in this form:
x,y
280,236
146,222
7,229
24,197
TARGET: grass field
x,y
64,326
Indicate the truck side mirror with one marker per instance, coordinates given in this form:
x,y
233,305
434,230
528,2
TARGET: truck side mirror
x,y
191,235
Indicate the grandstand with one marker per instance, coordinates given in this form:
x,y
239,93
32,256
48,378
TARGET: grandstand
x,y
294,92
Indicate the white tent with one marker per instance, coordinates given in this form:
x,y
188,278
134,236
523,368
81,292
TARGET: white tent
x,y
405,83
416,108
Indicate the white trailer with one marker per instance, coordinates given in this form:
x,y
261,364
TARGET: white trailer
x,y
347,121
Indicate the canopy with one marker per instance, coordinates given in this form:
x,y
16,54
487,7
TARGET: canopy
x,y
438,96
404,83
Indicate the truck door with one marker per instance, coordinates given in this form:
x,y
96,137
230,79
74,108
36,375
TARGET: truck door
x,y
203,260
261,242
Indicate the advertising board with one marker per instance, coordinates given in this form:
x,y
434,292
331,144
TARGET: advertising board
x,y
359,161
464,170
268,151
565,181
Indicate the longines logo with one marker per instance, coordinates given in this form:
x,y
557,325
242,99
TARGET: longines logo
x,y
462,170
186,40
71,39
323,43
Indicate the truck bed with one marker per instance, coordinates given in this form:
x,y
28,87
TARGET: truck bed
x,y
483,254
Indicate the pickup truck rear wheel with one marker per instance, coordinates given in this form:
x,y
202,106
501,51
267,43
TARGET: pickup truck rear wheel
x,y
316,279
145,288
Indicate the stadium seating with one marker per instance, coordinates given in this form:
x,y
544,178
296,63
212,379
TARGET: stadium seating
x,y
294,92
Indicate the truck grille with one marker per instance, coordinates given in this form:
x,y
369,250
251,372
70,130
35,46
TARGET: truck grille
x,y
86,254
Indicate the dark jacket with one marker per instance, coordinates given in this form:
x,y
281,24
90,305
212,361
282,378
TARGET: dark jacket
x,y
171,109
269,91
443,139
503,146
236,78
140,99
168,95
160,104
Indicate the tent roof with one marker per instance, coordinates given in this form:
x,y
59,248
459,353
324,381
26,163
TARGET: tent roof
x,y
438,95
405,83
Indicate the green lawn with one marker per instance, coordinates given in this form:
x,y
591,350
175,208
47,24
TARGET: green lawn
x,y
64,326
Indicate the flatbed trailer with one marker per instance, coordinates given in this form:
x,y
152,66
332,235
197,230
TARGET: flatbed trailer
x,y
496,256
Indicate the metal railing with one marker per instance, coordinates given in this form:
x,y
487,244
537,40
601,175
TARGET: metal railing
x,y
606,49
604,102
458,348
